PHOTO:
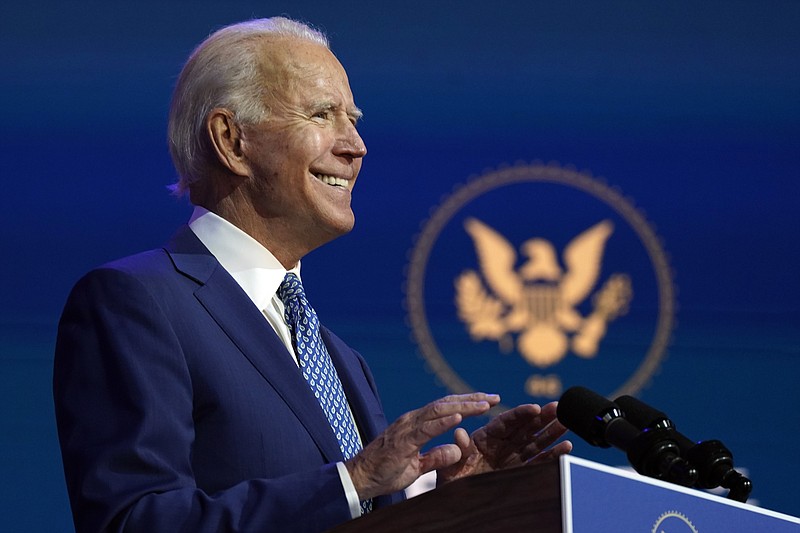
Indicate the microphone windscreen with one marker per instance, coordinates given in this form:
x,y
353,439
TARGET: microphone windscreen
x,y
642,415
582,411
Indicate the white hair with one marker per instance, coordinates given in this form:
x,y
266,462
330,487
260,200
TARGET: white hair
x,y
223,71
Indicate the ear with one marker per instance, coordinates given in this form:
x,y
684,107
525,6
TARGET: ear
x,y
225,137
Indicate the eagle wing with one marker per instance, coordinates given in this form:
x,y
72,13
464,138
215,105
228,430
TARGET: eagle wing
x,y
582,257
497,258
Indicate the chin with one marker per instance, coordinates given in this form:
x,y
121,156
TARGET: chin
x,y
338,227
345,228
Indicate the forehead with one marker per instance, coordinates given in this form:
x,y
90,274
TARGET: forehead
x,y
299,68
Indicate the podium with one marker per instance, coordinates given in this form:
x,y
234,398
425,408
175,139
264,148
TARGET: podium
x,y
572,495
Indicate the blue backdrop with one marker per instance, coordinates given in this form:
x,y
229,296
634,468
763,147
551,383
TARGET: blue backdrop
x,y
689,109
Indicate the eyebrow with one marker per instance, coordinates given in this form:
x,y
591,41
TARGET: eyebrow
x,y
353,112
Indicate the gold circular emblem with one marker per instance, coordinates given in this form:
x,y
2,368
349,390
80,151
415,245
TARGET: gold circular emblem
x,y
544,308
673,522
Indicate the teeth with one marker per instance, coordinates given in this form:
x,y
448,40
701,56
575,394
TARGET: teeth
x,y
331,180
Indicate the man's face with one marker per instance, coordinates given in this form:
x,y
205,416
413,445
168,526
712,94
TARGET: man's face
x,y
305,157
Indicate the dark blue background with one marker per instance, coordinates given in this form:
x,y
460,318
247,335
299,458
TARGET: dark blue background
x,y
690,109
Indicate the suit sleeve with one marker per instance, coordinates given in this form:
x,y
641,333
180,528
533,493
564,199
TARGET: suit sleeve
x,y
124,408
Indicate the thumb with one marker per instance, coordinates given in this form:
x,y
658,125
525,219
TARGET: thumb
x,y
439,457
462,440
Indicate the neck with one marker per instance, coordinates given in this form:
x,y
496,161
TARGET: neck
x,y
274,234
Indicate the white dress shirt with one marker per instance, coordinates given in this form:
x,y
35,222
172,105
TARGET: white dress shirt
x,y
260,275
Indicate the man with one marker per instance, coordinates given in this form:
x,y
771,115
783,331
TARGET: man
x,y
187,390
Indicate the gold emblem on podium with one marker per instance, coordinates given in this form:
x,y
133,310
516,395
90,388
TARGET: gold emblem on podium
x,y
548,285
673,522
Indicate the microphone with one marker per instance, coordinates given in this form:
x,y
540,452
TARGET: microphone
x,y
652,452
713,461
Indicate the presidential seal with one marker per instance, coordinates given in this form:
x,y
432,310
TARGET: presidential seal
x,y
531,278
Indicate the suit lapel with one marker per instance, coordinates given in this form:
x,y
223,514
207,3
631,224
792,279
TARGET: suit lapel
x,y
363,400
244,324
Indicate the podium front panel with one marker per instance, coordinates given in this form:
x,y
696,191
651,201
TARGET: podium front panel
x,y
601,499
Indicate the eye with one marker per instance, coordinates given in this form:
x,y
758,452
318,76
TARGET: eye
x,y
322,114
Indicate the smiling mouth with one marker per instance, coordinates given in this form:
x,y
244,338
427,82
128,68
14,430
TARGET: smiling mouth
x,y
332,180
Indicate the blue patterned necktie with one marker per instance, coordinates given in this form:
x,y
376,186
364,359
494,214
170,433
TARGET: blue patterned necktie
x,y
317,368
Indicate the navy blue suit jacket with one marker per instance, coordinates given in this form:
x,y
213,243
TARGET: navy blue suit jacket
x,y
179,409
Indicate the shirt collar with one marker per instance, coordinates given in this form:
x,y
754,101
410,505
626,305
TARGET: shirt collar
x,y
251,265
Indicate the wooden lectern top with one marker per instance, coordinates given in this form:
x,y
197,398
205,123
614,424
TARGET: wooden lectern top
x,y
518,499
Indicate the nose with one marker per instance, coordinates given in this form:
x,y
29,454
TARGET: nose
x,y
350,143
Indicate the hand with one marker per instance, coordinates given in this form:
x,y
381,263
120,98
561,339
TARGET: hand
x,y
393,460
516,437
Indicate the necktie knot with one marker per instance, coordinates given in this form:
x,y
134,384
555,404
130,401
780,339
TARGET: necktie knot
x,y
291,289
297,311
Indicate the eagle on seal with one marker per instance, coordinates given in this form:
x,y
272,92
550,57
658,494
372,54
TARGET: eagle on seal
x,y
539,299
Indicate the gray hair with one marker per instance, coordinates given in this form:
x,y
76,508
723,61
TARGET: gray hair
x,y
223,71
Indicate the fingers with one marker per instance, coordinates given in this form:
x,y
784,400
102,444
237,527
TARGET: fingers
x,y
393,460
542,440
444,414
465,404
518,435
493,399
521,418
540,422
550,430
549,410
562,448
469,459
